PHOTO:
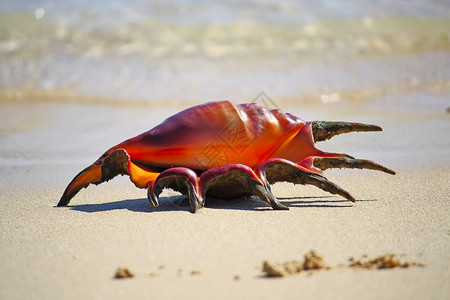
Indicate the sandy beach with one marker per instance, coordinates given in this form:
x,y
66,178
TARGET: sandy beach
x,y
78,77
73,253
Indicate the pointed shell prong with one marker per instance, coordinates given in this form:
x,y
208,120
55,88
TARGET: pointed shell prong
x,y
324,163
324,130
283,170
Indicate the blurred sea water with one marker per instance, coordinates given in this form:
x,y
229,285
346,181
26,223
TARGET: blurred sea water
x,y
374,61
184,51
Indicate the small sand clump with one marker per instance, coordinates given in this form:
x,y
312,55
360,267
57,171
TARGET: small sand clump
x,y
387,261
196,272
312,261
122,273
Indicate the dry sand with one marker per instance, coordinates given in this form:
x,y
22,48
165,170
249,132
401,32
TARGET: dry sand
x,y
73,253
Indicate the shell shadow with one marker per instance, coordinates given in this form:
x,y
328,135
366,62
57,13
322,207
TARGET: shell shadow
x,y
319,202
174,203
135,205
180,203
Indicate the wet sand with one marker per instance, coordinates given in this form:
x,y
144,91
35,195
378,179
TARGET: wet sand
x,y
74,252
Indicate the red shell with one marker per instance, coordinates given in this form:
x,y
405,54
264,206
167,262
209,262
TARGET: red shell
x,y
219,133
245,146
